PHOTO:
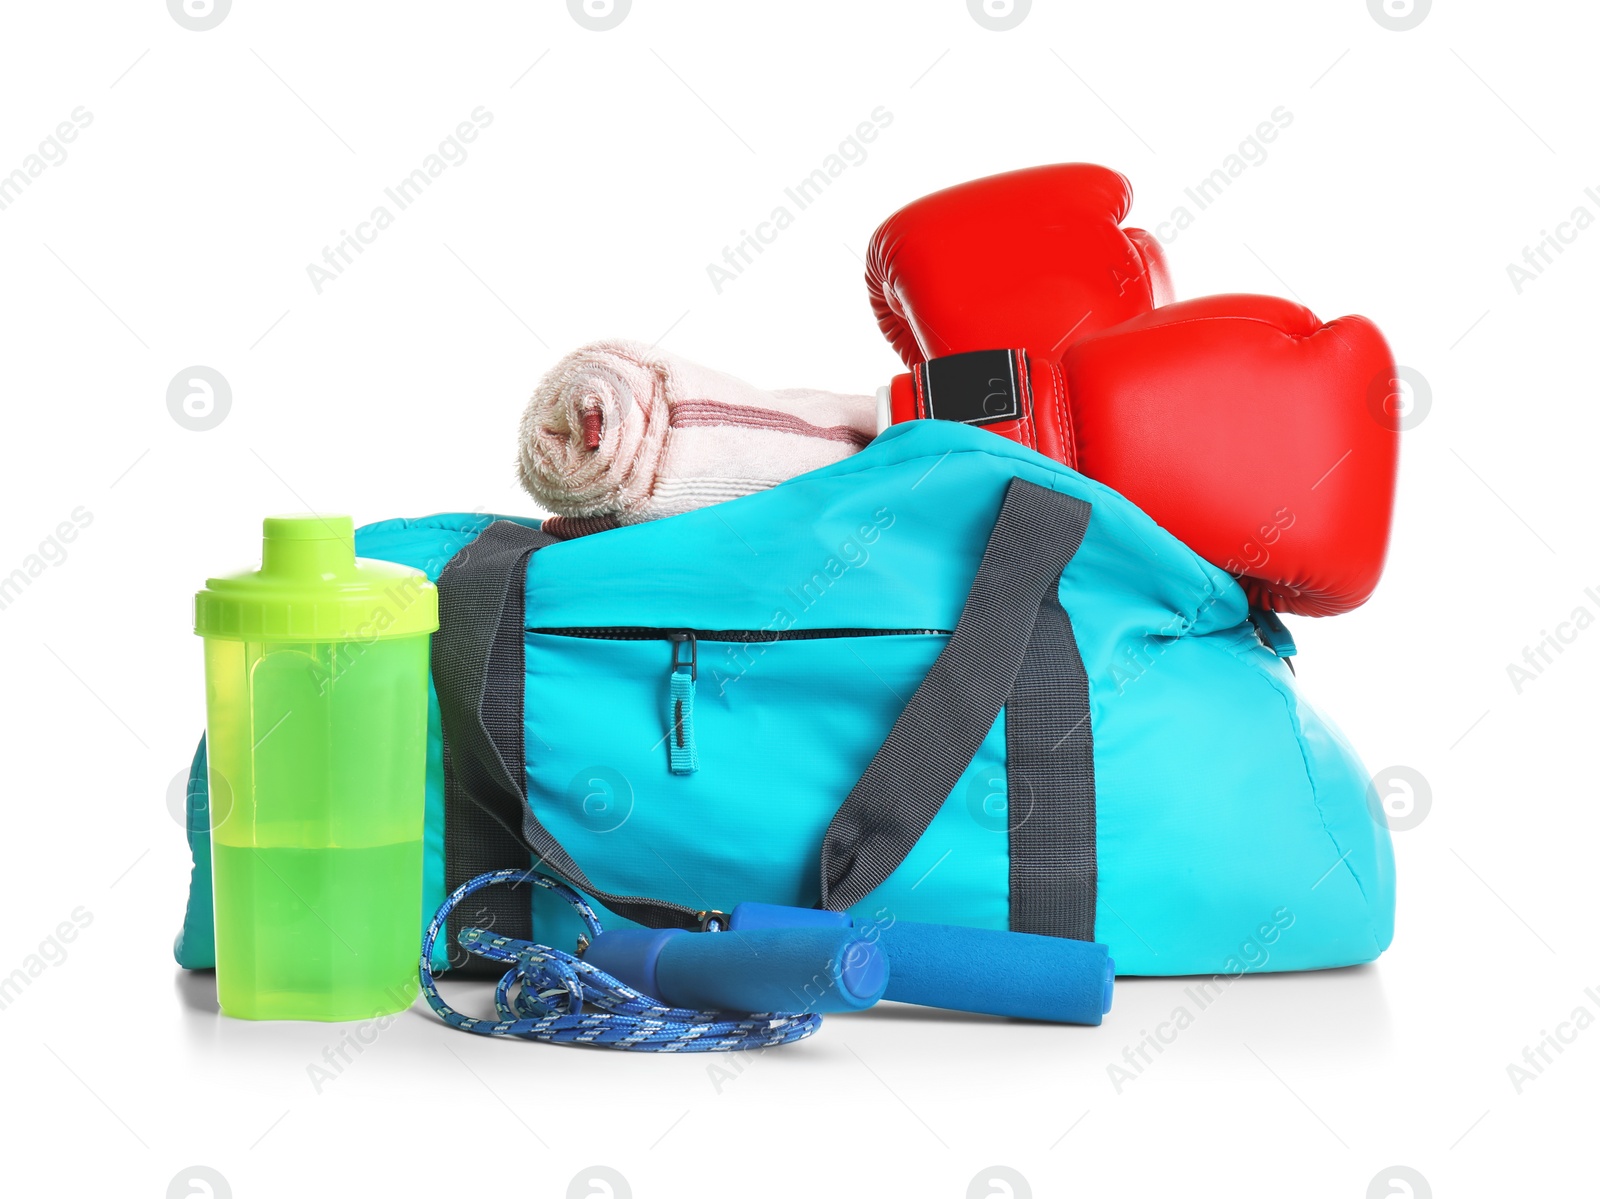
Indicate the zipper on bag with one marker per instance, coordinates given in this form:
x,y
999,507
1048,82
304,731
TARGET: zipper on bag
x,y
683,754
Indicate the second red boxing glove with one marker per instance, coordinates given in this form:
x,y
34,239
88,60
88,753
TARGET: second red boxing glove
x,y
1241,424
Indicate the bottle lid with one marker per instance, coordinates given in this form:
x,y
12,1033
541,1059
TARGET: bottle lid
x,y
312,587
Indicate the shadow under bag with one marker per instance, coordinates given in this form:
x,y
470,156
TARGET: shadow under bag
x,y
946,680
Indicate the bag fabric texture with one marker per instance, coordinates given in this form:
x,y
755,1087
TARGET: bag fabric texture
x,y
767,699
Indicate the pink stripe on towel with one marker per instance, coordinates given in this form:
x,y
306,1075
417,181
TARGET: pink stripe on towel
x,y
711,413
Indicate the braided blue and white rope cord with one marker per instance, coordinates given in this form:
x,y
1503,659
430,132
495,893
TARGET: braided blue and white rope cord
x,y
548,995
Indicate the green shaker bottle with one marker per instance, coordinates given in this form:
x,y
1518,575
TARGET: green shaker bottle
x,y
316,731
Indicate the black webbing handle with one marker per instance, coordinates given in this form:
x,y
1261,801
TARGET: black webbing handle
x,y
952,710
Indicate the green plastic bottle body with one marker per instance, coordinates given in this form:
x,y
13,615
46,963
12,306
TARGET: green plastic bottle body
x,y
318,752
316,735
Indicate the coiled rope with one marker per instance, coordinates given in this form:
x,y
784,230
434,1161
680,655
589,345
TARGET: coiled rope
x,y
549,995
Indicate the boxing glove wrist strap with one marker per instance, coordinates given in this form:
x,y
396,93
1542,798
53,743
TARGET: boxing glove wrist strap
x,y
1004,390
982,387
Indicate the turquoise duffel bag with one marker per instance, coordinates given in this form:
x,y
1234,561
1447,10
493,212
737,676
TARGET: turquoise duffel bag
x,y
945,680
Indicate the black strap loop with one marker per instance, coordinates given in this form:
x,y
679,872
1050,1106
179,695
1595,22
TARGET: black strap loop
x,y
1050,789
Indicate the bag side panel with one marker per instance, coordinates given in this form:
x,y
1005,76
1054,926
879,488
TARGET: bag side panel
x,y
196,944
1341,790
1217,855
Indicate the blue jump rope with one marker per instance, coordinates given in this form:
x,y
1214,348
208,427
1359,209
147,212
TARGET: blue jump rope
x,y
673,991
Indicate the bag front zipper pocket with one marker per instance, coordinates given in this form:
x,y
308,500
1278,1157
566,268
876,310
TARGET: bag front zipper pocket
x,y
683,671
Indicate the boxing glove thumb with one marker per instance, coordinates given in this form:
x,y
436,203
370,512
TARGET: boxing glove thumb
x,y
1029,259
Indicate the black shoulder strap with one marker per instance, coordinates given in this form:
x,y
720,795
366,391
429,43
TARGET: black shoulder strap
x,y
934,739
479,676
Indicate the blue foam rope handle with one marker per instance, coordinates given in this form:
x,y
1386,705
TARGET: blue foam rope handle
x,y
999,973
779,969
972,969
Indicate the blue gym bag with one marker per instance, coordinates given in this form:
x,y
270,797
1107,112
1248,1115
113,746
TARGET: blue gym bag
x,y
946,680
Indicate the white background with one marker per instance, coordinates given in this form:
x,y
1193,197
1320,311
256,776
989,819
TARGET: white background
x,y
218,165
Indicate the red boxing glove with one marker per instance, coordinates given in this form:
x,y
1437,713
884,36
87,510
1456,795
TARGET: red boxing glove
x,y
1031,258
1239,423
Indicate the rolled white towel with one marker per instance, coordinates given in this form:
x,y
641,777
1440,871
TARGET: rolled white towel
x,y
626,433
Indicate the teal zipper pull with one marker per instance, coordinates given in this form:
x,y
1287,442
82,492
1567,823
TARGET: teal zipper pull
x,y
682,755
